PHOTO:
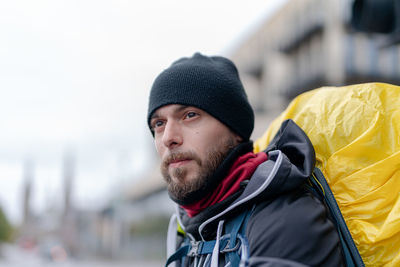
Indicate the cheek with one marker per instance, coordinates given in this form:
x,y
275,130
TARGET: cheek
x,y
203,141
159,147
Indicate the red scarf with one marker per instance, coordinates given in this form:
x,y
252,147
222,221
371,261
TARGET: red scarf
x,y
242,169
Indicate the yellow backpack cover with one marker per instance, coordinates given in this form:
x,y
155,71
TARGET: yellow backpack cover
x,y
355,131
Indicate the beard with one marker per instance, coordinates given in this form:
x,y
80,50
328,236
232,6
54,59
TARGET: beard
x,y
179,187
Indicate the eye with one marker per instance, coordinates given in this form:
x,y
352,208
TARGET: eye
x,y
157,124
191,114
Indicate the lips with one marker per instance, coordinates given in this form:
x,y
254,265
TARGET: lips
x,y
178,163
179,159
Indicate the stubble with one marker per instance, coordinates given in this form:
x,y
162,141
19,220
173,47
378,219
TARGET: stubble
x,y
179,186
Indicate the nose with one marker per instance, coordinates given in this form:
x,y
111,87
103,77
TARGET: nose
x,y
172,135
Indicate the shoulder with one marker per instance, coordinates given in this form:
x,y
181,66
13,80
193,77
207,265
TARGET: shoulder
x,y
294,226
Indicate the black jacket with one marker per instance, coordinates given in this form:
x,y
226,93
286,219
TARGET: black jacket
x,y
289,225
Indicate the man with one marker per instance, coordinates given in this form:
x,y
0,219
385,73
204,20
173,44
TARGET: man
x,y
234,206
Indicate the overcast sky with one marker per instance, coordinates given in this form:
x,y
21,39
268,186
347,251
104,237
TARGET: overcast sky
x,y
75,76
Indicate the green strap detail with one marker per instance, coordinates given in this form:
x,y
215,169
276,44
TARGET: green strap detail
x,y
180,229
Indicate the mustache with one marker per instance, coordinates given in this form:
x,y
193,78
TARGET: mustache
x,y
177,156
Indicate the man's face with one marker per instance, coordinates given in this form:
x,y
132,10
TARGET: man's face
x,y
191,144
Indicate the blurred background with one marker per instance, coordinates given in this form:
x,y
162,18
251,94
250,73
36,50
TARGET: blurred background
x,y
79,175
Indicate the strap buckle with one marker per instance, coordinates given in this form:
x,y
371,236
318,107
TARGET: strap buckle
x,y
194,248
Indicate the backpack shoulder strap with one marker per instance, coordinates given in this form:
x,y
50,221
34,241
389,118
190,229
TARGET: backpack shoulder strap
x,y
350,251
237,237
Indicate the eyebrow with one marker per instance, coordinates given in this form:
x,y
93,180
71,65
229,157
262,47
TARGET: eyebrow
x,y
180,108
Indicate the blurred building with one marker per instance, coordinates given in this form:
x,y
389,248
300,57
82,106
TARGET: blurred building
x,y
60,232
305,45
28,218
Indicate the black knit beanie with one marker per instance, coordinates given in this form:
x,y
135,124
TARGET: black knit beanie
x,y
209,83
